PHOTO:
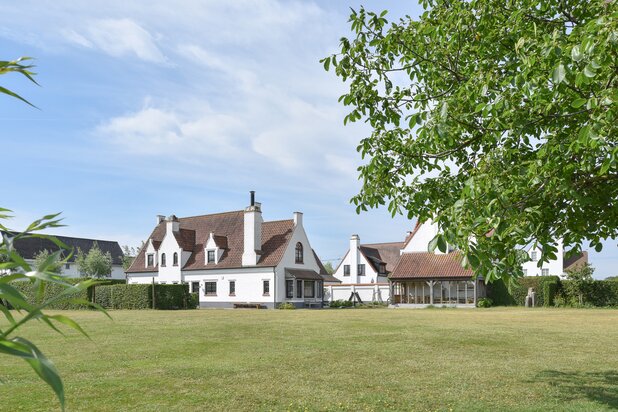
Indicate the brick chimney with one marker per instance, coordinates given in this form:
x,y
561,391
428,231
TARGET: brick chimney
x,y
252,232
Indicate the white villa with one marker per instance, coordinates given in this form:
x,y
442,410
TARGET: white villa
x,y
29,247
233,259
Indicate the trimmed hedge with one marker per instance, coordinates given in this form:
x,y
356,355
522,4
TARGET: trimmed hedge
x,y
140,297
598,293
546,288
51,290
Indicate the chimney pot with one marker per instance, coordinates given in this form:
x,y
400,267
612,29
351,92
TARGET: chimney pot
x,y
252,192
160,218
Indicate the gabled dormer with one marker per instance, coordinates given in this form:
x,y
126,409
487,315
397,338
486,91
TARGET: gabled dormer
x,y
214,248
152,257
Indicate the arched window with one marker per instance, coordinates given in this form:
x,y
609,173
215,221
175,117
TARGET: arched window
x,y
175,259
163,259
299,253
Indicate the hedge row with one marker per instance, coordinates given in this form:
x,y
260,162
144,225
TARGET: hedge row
x,y
551,291
30,292
140,297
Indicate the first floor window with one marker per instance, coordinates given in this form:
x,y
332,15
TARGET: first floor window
x,y
232,287
299,253
211,256
533,255
150,259
545,272
210,288
163,259
289,288
299,288
309,288
195,287
175,262
361,270
346,270
382,269
266,287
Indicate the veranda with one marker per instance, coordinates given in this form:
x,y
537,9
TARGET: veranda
x,y
436,292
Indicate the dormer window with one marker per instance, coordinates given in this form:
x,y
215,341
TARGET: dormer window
x,y
533,256
150,259
382,269
211,256
163,259
299,253
175,259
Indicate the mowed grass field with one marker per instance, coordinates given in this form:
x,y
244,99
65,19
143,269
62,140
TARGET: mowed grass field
x,y
321,360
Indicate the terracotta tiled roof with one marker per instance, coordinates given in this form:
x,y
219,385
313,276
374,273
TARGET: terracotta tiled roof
x,y
575,261
377,253
220,241
229,225
185,239
427,265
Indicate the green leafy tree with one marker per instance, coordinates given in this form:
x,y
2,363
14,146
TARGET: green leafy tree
x,y
580,281
42,256
40,275
329,268
129,254
95,263
490,117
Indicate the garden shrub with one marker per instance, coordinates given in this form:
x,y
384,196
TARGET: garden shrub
x,y
286,306
598,293
544,294
484,303
140,296
499,294
194,301
51,290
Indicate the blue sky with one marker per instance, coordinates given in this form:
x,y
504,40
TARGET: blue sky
x,y
182,107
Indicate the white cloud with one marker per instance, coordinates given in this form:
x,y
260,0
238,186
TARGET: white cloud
x,y
116,37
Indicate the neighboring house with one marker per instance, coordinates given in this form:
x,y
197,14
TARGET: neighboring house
x,y
364,271
233,259
405,273
555,267
28,248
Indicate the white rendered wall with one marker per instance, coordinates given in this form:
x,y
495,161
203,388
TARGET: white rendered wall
x,y
555,266
73,270
170,273
420,241
367,293
249,284
370,274
289,261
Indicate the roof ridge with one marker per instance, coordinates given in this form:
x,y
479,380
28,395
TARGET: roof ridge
x,y
280,220
381,243
211,214
15,232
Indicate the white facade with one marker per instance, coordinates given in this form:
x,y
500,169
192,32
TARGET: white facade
x,y
354,262
552,268
71,270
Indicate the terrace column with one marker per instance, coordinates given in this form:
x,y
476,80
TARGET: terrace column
x,y
331,293
430,283
475,291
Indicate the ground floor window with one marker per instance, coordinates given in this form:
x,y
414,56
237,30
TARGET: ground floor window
x,y
232,288
210,288
309,289
195,287
299,288
289,288
266,287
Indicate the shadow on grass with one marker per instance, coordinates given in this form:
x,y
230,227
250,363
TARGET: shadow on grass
x,y
600,387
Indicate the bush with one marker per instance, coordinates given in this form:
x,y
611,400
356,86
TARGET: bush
x,y
51,290
600,293
341,304
286,306
517,294
499,294
140,297
484,303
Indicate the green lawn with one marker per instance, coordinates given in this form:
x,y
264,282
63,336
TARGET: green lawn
x,y
428,359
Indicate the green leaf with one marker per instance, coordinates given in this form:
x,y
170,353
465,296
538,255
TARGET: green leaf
x,y
598,247
559,74
589,71
441,244
577,103
433,243
69,322
576,55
